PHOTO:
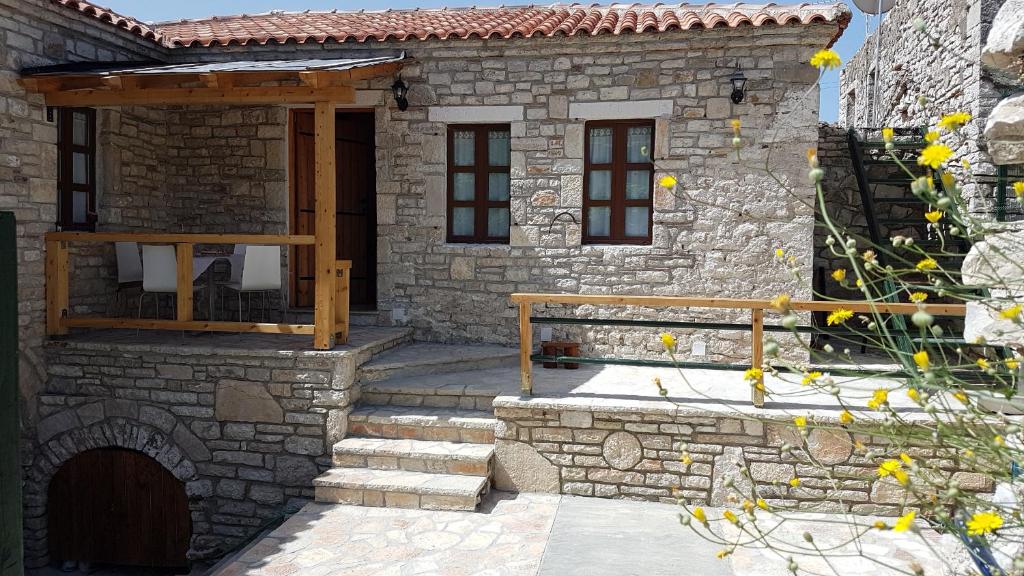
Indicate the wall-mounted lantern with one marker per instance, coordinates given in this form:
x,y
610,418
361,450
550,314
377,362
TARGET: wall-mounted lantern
x,y
739,82
401,91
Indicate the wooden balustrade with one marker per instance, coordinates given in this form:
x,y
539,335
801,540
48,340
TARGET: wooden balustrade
x,y
756,307
59,320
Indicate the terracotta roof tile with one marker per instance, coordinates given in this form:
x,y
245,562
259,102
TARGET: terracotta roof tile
x,y
113,18
501,22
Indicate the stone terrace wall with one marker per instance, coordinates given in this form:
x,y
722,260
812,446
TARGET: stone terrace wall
x,y
714,237
247,431
38,33
950,79
634,452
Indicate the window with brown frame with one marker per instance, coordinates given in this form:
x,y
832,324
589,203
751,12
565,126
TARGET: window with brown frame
x,y
618,182
76,168
478,183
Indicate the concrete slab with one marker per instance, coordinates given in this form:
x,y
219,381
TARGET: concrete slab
x,y
597,537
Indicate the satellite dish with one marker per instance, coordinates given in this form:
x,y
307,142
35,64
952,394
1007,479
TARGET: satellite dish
x,y
871,6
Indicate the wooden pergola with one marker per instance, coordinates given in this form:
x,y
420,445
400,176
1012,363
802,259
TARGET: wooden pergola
x,y
323,83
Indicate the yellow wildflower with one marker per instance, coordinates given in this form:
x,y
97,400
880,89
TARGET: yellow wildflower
x,y
794,482
965,163
954,121
901,476
999,440
931,136
904,522
668,182
934,155
686,459
933,216
762,504
753,374
982,363
1018,189
961,396
698,513
918,297
722,554
838,316
1012,364
906,459
982,523
730,516
927,264
887,134
921,359
779,253
839,274
1011,313
888,468
913,394
845,418
810,377
859,282
669,341
881,396
827,59
748,506
781,302
735,126
800,421
880,525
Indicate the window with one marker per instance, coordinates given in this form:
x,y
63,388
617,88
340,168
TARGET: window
x,y
617,182
478,183
76,168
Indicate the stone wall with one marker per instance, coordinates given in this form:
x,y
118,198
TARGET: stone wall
x,y
949,79
38,33
715,236
245,430
634,451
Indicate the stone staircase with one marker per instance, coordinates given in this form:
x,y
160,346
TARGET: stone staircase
x,y
421,437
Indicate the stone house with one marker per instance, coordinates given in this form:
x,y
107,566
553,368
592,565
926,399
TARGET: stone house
x,y
525,157
918,81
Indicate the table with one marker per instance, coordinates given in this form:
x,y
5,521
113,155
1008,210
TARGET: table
x,y
200,264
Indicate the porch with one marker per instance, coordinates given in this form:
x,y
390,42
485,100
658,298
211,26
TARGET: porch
x,y
78,263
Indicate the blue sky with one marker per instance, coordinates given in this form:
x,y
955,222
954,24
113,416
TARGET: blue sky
x,y
159,11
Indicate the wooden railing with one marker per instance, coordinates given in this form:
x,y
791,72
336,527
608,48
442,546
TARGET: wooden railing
x,y
333,287
756,326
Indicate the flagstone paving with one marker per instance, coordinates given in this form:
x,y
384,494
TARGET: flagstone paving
x,y
542,535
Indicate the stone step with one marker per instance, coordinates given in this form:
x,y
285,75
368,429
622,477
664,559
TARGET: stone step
x,y
414,455
473,390
421,359
400,489
419,423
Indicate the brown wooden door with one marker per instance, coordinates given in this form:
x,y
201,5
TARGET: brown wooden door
x,y
356,204
117,506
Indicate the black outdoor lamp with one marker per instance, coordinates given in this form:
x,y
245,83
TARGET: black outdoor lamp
x,y
738,81
401,91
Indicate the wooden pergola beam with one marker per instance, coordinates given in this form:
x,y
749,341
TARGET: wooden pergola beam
x,y
325,250
231,95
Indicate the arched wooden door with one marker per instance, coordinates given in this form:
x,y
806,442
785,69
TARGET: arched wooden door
x,y
117,506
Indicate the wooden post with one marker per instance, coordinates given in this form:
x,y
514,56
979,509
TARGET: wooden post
x,y
325,227
525,348
56,287
341,300
10,422
183,251
757,354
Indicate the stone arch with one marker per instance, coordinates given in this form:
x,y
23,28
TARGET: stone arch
x,y
65,434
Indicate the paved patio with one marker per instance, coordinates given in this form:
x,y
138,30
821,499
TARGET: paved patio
x,y
536,535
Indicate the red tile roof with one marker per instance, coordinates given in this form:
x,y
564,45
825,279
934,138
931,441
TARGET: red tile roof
x,y
462,23
113,18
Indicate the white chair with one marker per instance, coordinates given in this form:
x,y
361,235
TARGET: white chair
x,y
129,272
261,272
159,274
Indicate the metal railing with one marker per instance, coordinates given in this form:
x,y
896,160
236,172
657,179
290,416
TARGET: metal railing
x,y
58,312
756,326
